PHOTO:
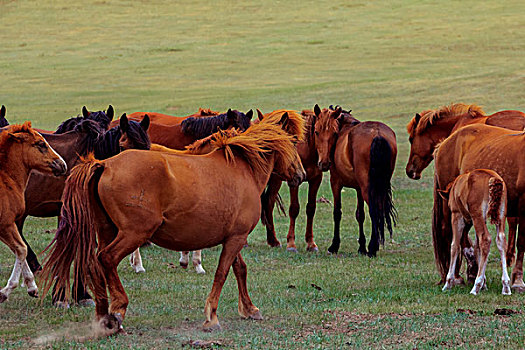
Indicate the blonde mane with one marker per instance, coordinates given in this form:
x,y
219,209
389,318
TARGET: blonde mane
x,y
296,122
430,117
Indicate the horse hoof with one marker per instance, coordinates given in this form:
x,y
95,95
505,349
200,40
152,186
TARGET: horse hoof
x,y
61,305
209,326
110,324
292,249
86,303
371,254
275,244
140,270
33,293
519,288
3,297
183,265
362,252
332,250
257,316
312,249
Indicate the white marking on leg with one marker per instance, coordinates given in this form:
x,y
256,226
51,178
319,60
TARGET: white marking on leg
x,y
12,283
457,229
136,261
196,259
184,259
29,279
505,280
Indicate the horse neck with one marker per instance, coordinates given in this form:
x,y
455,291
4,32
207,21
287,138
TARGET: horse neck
x,y
15,169
262,178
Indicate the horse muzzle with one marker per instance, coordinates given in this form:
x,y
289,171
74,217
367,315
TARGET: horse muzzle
x,y
413,175
297,179
324,166
58,167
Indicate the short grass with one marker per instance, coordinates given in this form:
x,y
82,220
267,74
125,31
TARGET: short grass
x,y
385,60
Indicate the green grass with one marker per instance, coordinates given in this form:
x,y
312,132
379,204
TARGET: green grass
x,y
384,60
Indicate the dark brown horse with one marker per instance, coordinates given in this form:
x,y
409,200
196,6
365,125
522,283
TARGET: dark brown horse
x,y
21,150
191,129
103,118
360,155
3,120
166,119
479,147
102,200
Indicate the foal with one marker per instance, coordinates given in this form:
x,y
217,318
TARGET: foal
x,y
21,150
472,197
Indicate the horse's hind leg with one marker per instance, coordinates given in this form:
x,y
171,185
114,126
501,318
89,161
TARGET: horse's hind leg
x,y
360,217
268,202
511,247
517,271
31,258
135,260
458,223
196,259
14,241
313,188
500,242
483,242
246,307
230,250
336,192
293,213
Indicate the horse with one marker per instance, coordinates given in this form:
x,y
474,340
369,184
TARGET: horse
x,y
103,118
21,150
472,197
314,176
430,127
191,129
43,193
472,147
159,118
213,199
3,120
359,155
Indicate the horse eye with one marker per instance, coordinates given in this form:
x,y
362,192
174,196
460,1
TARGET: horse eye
x,y
316,133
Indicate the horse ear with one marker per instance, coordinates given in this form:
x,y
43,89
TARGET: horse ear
x,y
284,120
232,117
2,112
85,112
444,193
124,122
15,137
337,113
260,115
418,117
317,110
110,112
249,115
144,124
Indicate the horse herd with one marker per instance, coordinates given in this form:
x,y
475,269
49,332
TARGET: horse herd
x,y
188,183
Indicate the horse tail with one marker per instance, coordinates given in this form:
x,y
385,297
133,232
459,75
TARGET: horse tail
x,y
496,187
265,206
380,203
441,241
75,240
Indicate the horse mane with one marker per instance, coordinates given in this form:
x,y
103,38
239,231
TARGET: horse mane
x,y
429,117
326,121
202,127
6,141
207,112
295,125
198,146
309,121
255,143
70,124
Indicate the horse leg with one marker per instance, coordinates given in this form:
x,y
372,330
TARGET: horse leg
x,y
14,241
360,217
500,242
511,247
135,261
471,257
230,250
268,202
246,307
196,260
483,242
293,212
517,271
184,259
336,192
458,223
313,188
32,260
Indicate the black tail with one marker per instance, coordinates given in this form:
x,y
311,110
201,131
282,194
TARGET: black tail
x,y
380,204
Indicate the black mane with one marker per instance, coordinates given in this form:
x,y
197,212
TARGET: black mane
x,y
70,124
203,127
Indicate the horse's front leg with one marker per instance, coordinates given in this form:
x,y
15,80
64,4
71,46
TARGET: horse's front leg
x,y
517,272
293,213
337,186
360,217
246,307
313,188
268,199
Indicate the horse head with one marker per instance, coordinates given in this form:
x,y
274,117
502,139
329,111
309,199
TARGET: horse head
x,y
326,129
421,149
134,135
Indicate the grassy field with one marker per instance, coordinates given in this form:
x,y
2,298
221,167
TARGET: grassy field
x,y
384,60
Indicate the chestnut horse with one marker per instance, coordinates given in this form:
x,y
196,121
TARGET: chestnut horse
x,y
471,198
314,176
360,155
21,150
159,118
479,147
213,199
191,129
